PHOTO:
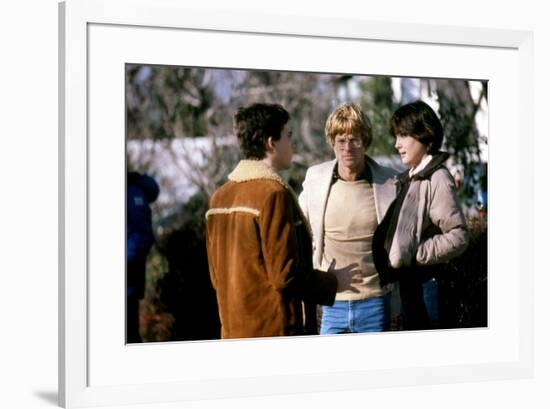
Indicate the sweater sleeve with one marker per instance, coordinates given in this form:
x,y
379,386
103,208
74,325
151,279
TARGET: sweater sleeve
x,y
445,213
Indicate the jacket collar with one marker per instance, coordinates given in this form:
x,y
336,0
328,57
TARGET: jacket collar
x,y
437,162
248,170
421,166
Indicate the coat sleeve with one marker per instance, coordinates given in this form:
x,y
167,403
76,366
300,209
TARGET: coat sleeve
x,y
286,248
451,238
209,251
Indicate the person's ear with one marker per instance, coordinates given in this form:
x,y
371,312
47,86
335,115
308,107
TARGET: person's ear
x,y
270,144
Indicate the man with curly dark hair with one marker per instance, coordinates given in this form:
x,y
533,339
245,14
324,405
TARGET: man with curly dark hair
x,y
258,242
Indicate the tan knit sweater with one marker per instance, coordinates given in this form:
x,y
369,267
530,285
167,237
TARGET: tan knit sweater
x,y
350,221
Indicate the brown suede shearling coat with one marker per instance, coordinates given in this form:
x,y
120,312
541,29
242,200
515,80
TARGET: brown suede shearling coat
x,y
260,257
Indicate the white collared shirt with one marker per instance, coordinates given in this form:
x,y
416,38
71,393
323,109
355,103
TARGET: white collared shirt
x,y
423,163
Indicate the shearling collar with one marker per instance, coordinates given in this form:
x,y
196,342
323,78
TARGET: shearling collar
x,y
248,170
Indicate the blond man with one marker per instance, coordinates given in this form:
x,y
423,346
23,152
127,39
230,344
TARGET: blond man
x,y
344,200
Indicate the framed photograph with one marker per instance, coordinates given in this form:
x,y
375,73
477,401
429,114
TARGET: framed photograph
x,y
104,43
181,147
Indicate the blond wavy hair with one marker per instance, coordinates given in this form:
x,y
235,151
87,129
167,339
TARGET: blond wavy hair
x,y
348,119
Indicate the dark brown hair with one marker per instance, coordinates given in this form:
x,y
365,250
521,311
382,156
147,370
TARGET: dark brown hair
x,y
254,124
420,121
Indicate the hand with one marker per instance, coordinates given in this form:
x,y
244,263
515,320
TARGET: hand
x,y
344,275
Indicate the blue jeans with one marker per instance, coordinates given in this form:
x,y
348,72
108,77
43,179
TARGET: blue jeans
x,y
419,302
370,315
431,300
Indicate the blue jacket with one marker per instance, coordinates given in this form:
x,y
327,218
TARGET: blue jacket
x,y
142,191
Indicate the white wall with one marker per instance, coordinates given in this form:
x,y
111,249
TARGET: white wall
x,y
28,176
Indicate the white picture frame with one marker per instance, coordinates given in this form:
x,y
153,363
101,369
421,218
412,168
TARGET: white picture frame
x,y
84,24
